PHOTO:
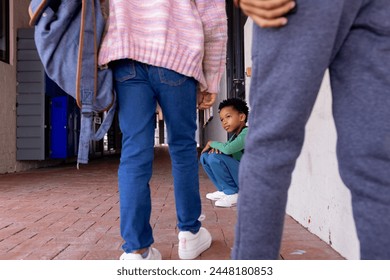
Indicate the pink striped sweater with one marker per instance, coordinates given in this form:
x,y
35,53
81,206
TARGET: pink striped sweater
x,y
187,36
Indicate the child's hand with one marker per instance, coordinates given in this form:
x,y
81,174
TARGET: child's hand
x,y
215,151
210,150
267,13
206,148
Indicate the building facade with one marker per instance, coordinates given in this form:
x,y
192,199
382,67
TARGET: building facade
x,y
317,198
16,13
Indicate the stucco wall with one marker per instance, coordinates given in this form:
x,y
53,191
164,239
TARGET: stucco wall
x,y
317,197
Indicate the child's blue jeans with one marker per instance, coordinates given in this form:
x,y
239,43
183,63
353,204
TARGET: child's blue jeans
x,y
222,171
139,87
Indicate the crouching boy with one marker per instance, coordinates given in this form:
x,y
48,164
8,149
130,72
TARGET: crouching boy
x,y
221,160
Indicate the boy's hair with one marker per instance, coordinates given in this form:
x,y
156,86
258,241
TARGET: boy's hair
x,y
237,103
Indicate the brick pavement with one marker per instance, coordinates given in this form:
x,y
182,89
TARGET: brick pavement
x,y
68,214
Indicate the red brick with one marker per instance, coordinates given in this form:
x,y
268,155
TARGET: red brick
x,y
65,213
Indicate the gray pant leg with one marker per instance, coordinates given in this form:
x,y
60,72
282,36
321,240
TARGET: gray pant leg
x,y
288,67
360,77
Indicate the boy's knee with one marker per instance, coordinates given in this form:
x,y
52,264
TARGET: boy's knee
x,y
215,158
203,158
211,158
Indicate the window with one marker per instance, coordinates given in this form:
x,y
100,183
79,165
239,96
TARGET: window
x,y
4,30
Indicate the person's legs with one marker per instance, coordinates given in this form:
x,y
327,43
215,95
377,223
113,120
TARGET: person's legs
x,y
361,107
204,160
136,113
177,98
222,170
288,68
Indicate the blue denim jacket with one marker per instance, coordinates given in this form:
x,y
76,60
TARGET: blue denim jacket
x,y
67,35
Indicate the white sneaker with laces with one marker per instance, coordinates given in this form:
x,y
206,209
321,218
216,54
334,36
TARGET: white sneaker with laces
x,y
192,245
153,254
215,195
228,200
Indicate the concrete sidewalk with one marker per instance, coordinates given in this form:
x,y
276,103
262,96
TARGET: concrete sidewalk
x,y
69,214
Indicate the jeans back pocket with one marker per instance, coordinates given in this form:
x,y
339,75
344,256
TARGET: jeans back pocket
x,y
170,77
123,70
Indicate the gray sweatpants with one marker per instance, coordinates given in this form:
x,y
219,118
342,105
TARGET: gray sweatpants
x,y
352,39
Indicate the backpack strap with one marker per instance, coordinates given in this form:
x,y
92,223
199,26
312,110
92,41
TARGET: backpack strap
x,y
87,78
35,10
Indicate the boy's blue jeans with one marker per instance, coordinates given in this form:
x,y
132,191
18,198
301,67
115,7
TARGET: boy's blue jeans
x,y
139,87
352,39
222,171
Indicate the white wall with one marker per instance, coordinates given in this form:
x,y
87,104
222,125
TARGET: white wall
x,y
317,197
248,50
213,130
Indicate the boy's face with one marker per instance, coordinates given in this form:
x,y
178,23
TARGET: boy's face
x,y
232,121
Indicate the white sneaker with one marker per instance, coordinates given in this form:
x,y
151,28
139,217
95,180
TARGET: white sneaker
x,y
192,245
153,254
228,200
215,195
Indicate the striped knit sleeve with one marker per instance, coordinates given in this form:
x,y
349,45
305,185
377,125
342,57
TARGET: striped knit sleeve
x,y
214,20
